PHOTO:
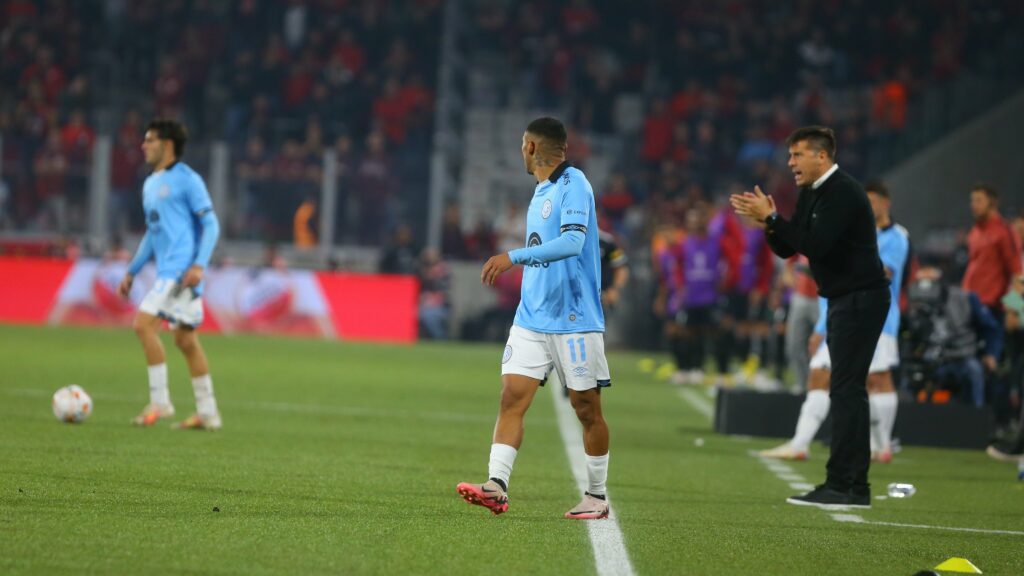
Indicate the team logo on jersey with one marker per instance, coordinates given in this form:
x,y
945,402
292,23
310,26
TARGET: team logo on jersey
x,y
164,191
507,355
545,211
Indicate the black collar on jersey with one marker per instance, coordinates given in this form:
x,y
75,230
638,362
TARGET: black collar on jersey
x,y
172,165
558,172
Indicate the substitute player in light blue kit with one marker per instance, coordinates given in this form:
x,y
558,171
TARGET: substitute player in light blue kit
x,y
559,324
181,233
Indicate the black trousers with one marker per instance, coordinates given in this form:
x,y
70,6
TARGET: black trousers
x,y
853,326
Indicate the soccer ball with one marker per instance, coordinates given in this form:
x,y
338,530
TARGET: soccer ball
x,y
71,404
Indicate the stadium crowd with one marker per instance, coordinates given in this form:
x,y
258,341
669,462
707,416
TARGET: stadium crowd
x,y
278,81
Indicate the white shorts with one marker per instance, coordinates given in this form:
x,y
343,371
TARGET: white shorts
x,y
887,356
578,359
180,306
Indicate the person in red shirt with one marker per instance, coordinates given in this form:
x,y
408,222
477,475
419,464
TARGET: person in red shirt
x,y
994,254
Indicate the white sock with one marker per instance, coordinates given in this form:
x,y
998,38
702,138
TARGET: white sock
x,y
503,457
597,473
158,392
812,414
206,404
883,410
874,423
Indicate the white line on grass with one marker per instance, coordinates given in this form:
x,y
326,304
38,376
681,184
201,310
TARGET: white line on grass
x,y
785,473
610,554
853,518
699,403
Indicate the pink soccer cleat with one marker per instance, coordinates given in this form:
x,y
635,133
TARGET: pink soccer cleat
x,y
490,495
590,508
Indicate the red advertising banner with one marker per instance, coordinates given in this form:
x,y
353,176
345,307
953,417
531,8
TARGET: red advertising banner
x,y
28,288
236,299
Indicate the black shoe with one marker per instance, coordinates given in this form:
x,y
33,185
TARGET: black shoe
x,y
1004,453
830,499
860,497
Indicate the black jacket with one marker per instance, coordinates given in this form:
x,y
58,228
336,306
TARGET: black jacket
x,y
835,228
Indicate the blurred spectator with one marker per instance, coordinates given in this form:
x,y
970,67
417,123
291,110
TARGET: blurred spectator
x,y
374,188
510,228
400,255
453,242
51,171
304,233
657,133
995,254
435,282
802,316
493,324
482,241
615,201
126,181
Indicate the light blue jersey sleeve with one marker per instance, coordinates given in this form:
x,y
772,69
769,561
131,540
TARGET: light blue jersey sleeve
x,y
143,255
894,251
567,244
893,247
199,202
819,326
197,196
576,202
574,207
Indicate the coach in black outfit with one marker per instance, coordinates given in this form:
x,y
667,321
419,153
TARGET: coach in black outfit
x,y
834,227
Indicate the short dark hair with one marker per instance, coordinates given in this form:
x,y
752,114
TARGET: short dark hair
x,y
170,130
817,138
987,188
877,187
551,130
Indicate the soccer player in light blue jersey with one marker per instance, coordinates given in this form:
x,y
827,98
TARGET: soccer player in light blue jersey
x,y
894,251
559,324
181,233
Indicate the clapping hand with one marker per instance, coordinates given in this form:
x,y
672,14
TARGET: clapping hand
x,y
756,205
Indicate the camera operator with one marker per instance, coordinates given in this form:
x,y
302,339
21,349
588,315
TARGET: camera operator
x,y
948,325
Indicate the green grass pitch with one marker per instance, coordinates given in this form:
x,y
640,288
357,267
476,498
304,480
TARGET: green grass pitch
x,y
340,458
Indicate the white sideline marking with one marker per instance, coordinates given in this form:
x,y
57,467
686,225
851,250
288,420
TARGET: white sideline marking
x,y
791,477
847,518
859,520
781,469
610,555
699,403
